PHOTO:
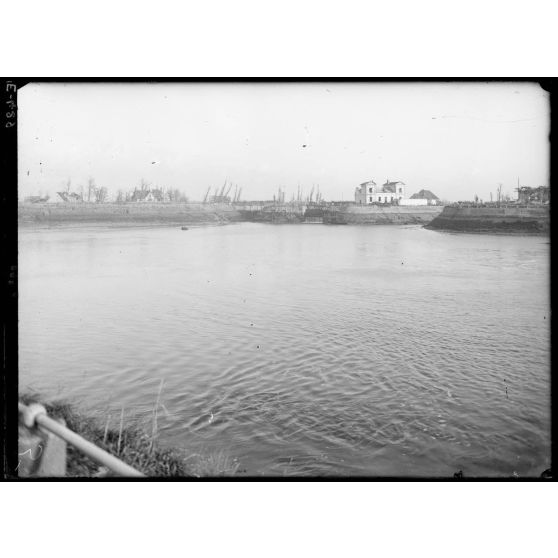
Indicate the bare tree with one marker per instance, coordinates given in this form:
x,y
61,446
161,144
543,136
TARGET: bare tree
x,y
120,196
100,194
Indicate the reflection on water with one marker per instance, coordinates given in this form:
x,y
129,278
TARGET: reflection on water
x,y
301,349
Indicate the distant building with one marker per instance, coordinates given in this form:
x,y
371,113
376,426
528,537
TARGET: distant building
x,y
142,196
389,193
425,197
70,197
527,194
154,195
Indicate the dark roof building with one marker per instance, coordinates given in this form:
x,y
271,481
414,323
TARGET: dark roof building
x,y
424,195
154,195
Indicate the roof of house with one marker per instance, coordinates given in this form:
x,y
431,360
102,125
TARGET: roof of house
x,y
367,183
66,196
140,195
424,195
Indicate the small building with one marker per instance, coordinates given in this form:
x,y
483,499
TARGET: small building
x,y
364,191
414,201
389,193
527,194
147,196
142,196
426,197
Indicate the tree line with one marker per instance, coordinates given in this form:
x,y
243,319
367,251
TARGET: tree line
x,y
144,192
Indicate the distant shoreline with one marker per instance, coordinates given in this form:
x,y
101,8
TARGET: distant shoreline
x,y
470,220
49,215
74,225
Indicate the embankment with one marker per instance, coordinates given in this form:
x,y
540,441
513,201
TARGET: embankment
x,y
378,215
275,217
510,220
122,214
134,444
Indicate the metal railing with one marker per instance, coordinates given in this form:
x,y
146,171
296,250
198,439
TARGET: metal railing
x,y
35,416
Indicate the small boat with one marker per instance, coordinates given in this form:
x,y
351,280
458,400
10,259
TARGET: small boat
x,y
184,228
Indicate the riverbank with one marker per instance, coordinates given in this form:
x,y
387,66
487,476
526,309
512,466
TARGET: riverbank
x,y
348,214
131,444
379,215
125,214
504,220
182,214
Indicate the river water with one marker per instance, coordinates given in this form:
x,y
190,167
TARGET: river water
x,y
300,349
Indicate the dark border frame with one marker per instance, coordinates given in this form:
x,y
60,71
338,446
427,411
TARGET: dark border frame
x,y
9,379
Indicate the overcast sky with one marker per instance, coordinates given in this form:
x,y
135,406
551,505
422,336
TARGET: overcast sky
x,y
457,140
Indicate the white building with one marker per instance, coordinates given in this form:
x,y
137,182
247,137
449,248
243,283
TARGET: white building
x,y
414,202
388,193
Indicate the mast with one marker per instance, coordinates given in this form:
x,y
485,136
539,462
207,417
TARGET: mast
x,y
206,194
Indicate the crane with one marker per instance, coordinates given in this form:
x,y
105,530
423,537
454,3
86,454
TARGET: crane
x,y
206,194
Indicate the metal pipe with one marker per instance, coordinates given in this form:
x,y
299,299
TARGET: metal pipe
x,y
89,449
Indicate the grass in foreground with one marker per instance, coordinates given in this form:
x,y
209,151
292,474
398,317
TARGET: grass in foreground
x,y
130,444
